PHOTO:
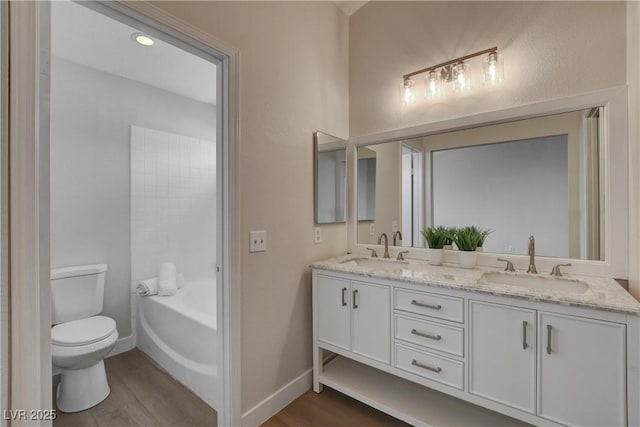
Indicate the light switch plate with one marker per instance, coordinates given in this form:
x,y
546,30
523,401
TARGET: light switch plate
x,y
258,242
317,235
394,226
372,229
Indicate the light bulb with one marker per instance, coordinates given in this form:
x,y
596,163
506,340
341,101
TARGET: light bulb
x,y
432,82
492,68
462,77
407,95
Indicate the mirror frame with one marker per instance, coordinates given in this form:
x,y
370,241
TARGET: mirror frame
x,y
615,178
315,178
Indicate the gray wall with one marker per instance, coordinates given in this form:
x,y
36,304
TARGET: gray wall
x,y
91,113
500,187
332,184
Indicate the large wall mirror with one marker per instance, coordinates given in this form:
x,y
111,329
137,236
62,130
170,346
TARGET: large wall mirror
x,y
539,176
330,159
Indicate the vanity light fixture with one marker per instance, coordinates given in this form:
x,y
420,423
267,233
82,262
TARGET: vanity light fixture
x,y
457,72
407,93
143,39
493,68
432,85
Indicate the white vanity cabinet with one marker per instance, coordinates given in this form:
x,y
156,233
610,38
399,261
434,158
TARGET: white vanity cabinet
x,y
354,316
410,349
580,363
582,370
502,354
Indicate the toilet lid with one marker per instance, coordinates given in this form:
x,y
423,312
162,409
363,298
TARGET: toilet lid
x,y
82,331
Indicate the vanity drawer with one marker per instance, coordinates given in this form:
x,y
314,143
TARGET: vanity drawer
x,y
432,335
448,308
427,365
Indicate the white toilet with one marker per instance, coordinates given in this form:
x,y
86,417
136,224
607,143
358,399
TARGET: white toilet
x,y
80,339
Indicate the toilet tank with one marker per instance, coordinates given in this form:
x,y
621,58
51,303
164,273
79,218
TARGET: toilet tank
x,y
77,292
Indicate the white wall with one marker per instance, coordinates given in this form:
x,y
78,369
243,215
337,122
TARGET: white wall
x,y
173,204
91,114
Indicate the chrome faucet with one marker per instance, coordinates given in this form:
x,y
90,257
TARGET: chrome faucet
x,y
532,256
386,245
397,234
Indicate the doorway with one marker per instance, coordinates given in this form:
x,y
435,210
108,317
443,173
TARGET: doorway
x,y
30,28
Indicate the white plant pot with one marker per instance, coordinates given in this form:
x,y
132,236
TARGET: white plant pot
x,y
435,256
479,249
468,259
448,247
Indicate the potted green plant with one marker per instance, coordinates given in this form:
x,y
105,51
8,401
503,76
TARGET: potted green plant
x,y
448,245
482,235
436,238
468,239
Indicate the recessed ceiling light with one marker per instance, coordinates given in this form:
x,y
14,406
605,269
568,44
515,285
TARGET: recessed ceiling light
x,y
143,39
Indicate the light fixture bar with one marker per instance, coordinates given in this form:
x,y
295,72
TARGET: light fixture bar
x,y
453,61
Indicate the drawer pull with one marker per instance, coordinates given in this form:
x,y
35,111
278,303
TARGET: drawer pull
x,y
437,370
426,335
549,339
355,296
524,335
344,298
422,304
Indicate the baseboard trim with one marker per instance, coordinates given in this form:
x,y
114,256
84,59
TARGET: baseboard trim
x,y
122,345
278,400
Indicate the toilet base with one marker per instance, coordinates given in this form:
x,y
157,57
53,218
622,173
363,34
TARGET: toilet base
x,y
80,389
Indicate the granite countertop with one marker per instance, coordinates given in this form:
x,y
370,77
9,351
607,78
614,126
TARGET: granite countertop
x,y
602,293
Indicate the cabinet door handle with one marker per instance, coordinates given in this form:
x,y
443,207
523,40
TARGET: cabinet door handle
x,y
355,295
524,335
426,335
425,305
549,339
414,362
344,297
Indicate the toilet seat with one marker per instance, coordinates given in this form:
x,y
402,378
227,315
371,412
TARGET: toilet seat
x,y
83,331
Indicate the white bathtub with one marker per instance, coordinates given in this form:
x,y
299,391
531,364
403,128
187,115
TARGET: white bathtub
x,y
179,333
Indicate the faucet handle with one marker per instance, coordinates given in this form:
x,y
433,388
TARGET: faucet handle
x,y
555,271
400,256
374,254
509,266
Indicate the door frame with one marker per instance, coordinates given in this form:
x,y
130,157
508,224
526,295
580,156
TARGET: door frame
x,y
28,383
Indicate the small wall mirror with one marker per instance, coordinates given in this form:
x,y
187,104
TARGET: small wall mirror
x,y
539,176
330,162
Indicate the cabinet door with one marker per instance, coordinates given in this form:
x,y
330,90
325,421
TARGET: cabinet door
x,y
371,321
502,354
582,371
333,311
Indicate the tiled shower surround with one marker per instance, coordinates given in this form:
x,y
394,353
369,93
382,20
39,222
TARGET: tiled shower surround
x,y
173,204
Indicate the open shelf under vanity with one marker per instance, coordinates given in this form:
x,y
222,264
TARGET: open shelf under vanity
x,y
406,400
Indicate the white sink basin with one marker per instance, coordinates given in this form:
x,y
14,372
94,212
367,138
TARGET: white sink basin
x,y
377,264
533,282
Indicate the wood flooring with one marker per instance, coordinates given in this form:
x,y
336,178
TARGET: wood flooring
x,y
330,409
142,394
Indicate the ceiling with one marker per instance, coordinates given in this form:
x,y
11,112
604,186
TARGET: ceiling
x,y
86,37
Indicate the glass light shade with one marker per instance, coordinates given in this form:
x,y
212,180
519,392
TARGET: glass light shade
x,y
493,68
433,85
407,92
461,77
